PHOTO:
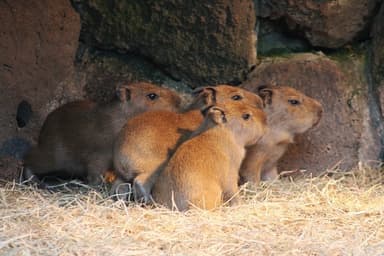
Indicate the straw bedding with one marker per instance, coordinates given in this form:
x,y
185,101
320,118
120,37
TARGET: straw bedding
x,y
338,214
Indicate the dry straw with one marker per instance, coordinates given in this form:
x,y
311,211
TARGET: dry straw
x,y
338,214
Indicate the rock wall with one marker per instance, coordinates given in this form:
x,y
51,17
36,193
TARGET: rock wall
x,y
324,23
38,45
197,41
55,51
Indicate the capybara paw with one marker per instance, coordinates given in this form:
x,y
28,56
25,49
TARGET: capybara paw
x,y
141,194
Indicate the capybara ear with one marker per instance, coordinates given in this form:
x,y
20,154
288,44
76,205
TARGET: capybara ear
x,y
123,93
206,93
217,114
265,92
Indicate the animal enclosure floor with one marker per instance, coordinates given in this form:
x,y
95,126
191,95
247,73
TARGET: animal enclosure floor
x,y
341,214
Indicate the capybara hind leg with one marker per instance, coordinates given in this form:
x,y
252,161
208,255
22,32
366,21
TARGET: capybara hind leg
x,y
231,195
142,186
270,174
93,179
250,170
37,162
210,198
95,169
28,177
250,175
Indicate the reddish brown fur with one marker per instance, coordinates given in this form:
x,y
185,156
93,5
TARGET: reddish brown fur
x,y
285,120
77,138
146,141
203,171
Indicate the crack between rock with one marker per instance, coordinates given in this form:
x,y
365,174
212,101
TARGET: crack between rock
x,y
127,54
374,108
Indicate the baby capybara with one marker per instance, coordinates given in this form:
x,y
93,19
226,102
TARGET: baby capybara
x,y
204,170
77,138
289,112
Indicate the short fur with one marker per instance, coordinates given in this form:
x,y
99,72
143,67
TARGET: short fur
x,y
77,138
289,112
203,172
147,141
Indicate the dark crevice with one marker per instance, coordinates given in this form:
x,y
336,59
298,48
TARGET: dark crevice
x,y
374,106
122,54
23,114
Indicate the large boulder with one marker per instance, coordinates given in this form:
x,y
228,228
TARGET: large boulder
x,y
38,44
196,41
345,135
324,23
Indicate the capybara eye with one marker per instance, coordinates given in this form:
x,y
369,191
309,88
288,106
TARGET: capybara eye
x,y
246,116
294,102
152,96
237,97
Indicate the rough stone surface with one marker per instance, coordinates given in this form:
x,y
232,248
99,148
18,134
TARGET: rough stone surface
x,y
196,41
38,42
273,39
344,136
102,71
325,23
10,168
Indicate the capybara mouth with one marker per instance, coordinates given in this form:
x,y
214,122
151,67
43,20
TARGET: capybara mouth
x,y
316,123
317,120
319,115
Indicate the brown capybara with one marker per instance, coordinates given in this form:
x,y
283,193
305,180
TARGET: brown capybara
x,y
289,112
204,170
146,141
77,138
